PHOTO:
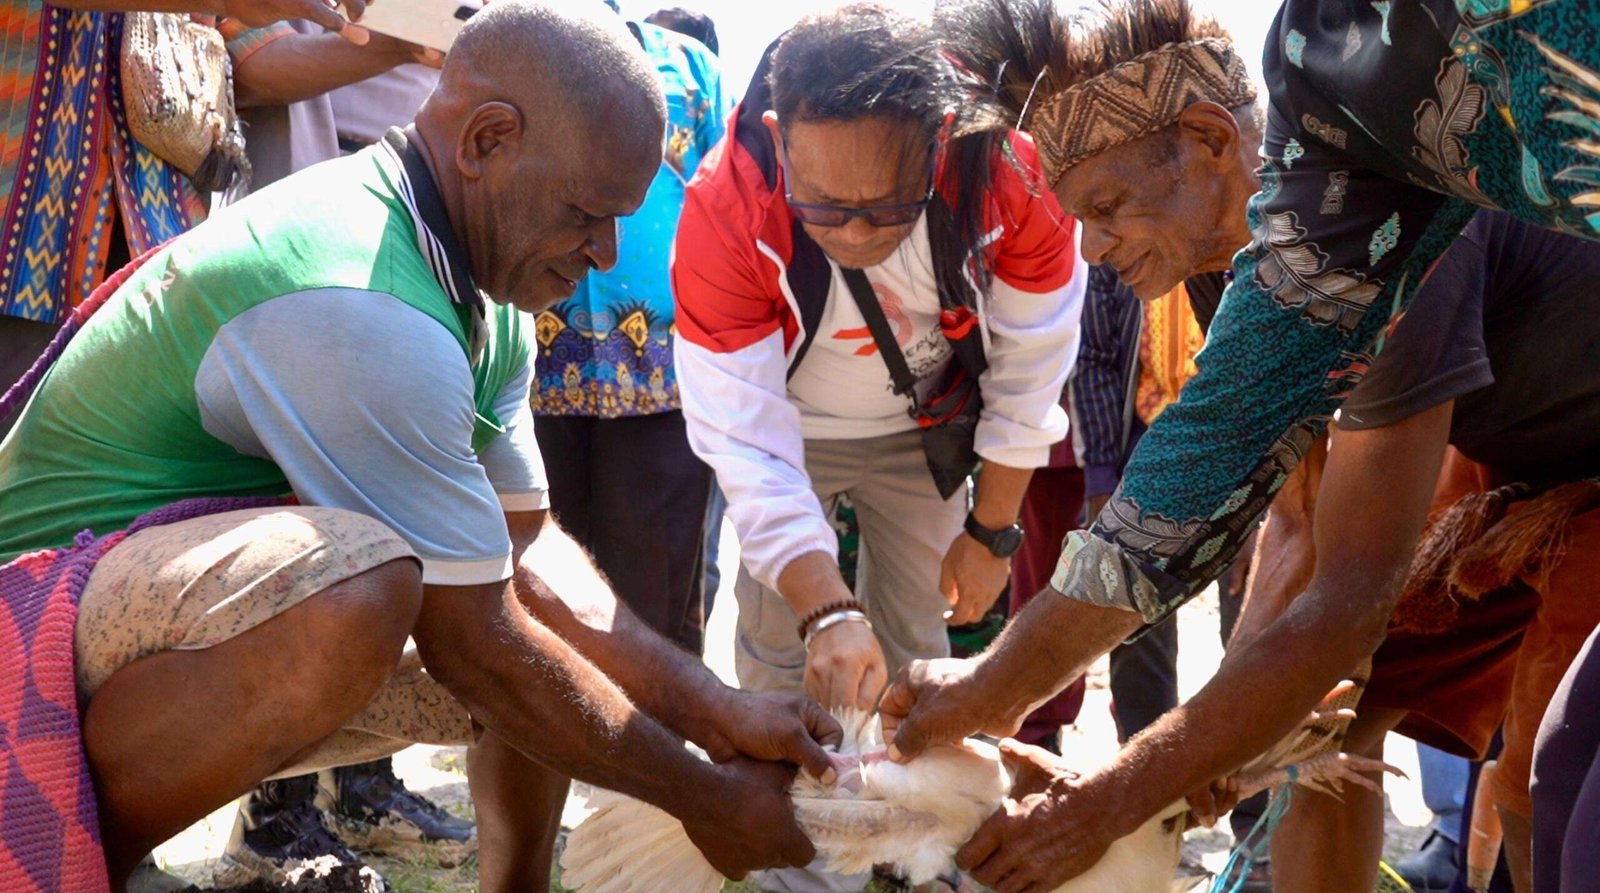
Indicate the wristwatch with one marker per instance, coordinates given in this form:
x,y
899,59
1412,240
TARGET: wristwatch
x,y
1003,543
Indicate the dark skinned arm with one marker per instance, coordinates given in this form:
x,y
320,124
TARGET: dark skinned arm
x,y
296,67
1052,642
1286,551
558,585
1371,507
254,13
539,693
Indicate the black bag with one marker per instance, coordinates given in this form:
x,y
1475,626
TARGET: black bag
x,y
949,416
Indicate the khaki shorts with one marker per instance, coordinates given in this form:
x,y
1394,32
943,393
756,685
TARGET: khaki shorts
x,y
196,583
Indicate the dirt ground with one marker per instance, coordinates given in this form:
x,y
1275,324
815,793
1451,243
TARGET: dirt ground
x,y
439,772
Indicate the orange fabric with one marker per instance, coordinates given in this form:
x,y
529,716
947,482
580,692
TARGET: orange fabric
x,y
1168,342
1500,663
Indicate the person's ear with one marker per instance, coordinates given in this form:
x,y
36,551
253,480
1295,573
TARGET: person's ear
x,y
1210,129
494,130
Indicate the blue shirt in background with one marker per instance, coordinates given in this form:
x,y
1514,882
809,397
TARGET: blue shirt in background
x,y
607,351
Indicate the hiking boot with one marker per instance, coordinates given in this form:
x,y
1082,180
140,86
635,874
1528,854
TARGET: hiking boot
x,y
373,811
279,831
1433,867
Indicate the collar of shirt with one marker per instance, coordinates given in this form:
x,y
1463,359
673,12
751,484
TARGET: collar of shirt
x,y
436,239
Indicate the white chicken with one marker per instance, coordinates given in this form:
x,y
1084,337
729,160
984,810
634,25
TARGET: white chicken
x,y
913,815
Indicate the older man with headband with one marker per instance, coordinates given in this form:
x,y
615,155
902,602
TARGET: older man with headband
x,y
1376,112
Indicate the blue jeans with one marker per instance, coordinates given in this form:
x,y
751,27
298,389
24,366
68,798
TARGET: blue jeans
x,y
1444,789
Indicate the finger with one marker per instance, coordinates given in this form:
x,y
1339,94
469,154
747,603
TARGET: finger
x,y
891,724
1020,758
323,14
800,748
355,34
842,686
947,583
816,686
354,9
820,723
872,682
1203,806
798,850
898,699
984,843
430,57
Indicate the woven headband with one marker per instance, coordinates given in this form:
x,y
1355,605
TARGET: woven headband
x,y
1135,99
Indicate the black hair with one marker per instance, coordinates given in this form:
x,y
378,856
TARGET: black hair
x,y
866,61
686,21
1024,51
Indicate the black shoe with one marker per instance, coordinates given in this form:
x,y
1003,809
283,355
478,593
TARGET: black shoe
x,y
279,831
372,810
1433,867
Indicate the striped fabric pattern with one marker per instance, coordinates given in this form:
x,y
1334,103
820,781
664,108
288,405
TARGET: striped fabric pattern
x,y
66,155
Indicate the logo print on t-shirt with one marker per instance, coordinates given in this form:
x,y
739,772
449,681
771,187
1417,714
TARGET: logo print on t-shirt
x,y
893,310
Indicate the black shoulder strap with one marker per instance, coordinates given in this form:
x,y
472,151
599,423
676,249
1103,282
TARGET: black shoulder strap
x,y
878,325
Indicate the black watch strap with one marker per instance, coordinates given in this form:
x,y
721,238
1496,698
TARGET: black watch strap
x,y
1002,543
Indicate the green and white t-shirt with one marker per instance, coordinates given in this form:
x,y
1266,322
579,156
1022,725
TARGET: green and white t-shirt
x,y
321,338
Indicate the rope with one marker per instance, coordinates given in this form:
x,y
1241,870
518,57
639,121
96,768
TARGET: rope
x,y
1243,859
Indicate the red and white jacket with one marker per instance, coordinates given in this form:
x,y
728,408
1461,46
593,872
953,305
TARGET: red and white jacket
x,y
772,351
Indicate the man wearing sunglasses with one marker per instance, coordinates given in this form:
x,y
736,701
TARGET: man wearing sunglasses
x,y
855,150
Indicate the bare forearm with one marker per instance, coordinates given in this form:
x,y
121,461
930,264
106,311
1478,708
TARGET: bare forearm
x,y
1286,552
207,7
1049,644
522,681
297,67
1257,698
558,584
1000,492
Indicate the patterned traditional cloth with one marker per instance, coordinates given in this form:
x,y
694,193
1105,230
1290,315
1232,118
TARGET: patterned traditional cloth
x,y
49,827
1388,123
1136,99
607,351
66,155
49,833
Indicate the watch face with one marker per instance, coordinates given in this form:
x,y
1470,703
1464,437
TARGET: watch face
x,y
1007,542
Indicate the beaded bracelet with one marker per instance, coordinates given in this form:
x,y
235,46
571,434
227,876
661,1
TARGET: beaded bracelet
x,y
834,619
843,604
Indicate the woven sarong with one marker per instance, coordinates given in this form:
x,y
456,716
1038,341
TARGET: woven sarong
x,y
49,835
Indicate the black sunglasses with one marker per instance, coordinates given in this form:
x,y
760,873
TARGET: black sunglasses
x,y
877,215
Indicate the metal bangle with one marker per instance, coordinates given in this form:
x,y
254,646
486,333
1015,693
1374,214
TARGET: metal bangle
x,y
834,619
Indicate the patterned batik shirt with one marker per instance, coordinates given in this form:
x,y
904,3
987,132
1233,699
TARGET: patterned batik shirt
x,y
607,351
66,156
1389,122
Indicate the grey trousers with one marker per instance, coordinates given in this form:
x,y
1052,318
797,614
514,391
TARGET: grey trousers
x,y
905,531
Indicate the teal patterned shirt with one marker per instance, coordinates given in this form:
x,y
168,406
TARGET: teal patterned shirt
x,y
1389,124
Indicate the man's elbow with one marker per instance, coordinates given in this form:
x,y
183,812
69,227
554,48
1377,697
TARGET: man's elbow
x,y
1355,609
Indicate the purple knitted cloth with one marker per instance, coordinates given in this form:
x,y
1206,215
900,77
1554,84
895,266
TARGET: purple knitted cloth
x,y
49,833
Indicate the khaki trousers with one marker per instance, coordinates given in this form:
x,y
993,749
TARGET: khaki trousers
x,y
905,531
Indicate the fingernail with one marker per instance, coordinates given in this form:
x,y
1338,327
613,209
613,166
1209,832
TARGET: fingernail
x,y
830,776
894,754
